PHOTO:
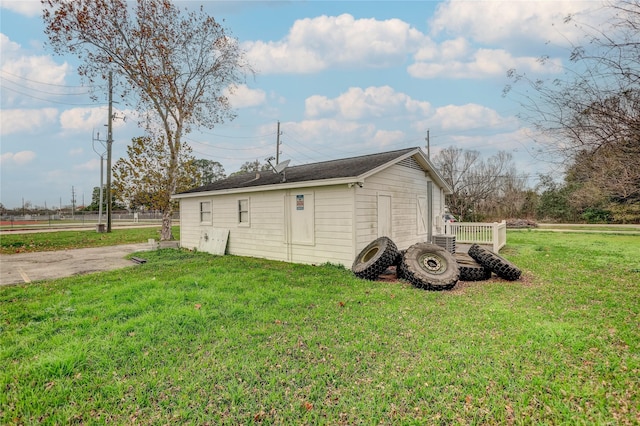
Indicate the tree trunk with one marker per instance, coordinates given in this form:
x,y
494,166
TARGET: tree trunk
x,y
165,232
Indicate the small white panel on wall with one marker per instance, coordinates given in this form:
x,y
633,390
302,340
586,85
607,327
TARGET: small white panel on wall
x,y
214,241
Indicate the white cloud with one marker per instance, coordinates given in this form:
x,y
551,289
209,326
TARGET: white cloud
x,y
470,116
29,79
91,165
511,22
314,44
75,152
357,103
242,96
483,63
30,8
83,119
26,120
19,158
384,138
94,118
462,118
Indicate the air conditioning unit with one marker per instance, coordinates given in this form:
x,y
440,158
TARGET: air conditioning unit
x,y
448,242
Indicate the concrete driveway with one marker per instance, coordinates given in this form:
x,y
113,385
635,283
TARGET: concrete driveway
x,y
28,267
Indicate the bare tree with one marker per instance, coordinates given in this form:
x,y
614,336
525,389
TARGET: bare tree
x,y
590,115
479,187
179,65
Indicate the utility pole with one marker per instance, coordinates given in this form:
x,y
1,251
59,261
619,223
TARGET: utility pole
x,y
73,202
278,144
109,143
101,154
428,147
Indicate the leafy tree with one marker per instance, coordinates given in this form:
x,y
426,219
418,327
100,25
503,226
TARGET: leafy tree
x,y
178,65
252,167
95,200
142,180
554,201
209,171
590,116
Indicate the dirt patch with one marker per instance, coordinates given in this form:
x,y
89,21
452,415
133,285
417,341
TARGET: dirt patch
x,y
526,280
29,267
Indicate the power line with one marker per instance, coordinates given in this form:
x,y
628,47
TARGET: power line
x,y
45,92
48,84
52,101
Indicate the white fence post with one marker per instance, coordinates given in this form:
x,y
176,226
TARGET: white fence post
x,y
493,234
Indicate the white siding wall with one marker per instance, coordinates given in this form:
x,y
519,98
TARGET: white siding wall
x,y
266,235
404,185
333,227
342,215
190,226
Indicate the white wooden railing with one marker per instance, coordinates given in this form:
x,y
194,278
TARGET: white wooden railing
x,y
494,234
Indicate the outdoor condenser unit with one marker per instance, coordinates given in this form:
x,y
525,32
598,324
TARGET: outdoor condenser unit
x,y
448,242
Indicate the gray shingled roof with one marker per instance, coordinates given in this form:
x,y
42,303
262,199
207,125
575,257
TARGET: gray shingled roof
x,y
342,168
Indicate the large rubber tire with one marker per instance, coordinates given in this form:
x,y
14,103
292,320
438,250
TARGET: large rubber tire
x,y
399,257
430,267
375,258
470,270
496,263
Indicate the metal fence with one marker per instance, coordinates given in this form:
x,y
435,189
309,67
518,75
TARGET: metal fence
x,y
79,219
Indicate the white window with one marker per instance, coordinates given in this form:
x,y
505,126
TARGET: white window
x,y
243,211
205,211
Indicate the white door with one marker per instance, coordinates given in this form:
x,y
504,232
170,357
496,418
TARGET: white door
x,y
301,219
384,216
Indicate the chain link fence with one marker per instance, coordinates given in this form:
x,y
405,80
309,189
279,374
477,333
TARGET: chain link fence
x,y
80,219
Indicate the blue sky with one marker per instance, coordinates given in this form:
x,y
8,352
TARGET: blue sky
x,y
344,78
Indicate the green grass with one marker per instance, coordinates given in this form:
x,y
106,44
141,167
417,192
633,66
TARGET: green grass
x,y
61,240
614,229
189,338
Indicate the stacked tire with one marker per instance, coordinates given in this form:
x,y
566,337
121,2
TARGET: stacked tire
x,y
470,269
495,263
375,258
430,266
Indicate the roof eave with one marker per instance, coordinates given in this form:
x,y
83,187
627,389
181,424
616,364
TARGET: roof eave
x,y
272,187
422,160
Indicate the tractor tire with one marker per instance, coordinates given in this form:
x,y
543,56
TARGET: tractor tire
x,y
375,258
430,267
399,257
470,270
399,268
494,262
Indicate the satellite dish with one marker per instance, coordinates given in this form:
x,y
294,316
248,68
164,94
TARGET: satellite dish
x,y
281,166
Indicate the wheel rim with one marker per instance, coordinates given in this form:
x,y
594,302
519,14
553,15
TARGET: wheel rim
x,y
432,263
370,254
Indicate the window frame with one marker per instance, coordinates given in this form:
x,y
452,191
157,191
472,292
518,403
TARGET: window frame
x,y
203,212
247,212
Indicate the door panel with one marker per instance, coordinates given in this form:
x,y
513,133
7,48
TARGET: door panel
x,y
302,219
384,216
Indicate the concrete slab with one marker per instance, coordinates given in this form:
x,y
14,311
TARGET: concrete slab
x,y
28,267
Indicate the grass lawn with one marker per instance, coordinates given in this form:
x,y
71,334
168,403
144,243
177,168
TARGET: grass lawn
x,y
189,338
60,240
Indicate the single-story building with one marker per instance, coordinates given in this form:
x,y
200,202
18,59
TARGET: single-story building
x,y
320,212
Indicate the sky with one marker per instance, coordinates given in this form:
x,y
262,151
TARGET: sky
x,y
343,78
